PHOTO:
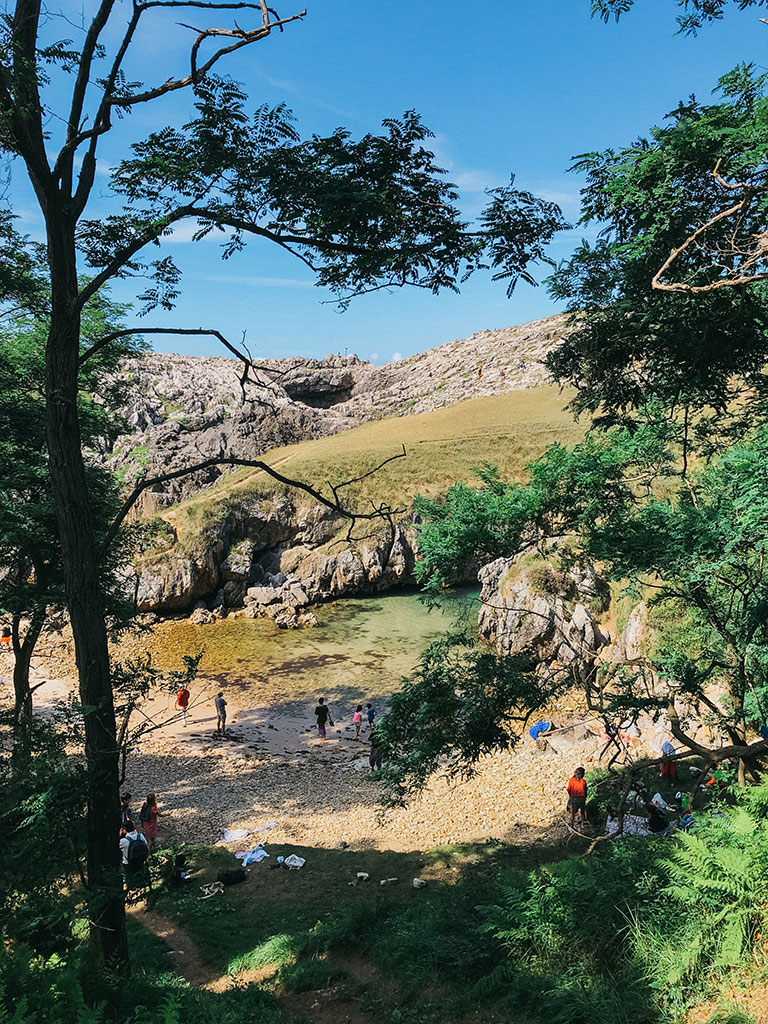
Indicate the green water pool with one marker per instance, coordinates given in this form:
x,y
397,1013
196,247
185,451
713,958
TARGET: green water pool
x,y
361,649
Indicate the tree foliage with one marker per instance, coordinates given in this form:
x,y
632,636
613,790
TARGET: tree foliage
x,y
693,547
696,13
462,702
631,343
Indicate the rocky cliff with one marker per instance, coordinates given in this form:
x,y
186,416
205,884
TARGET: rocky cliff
x,y
531,606
183,410
271,557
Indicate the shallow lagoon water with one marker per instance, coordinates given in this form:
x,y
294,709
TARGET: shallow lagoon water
x,y
362,648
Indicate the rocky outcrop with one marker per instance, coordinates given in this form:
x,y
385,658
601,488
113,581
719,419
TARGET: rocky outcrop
x,y
272,557
530,608
184,410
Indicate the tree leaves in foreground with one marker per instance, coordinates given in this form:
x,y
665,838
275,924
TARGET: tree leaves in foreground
x,y
694,549
462,702
696,13
630,343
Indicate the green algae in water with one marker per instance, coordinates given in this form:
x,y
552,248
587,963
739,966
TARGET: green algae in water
x,y
362,647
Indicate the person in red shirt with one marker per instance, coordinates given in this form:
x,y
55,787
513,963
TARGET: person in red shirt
x,y
577,796
182,703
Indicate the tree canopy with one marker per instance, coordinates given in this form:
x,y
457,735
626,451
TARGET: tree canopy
x,y
630,342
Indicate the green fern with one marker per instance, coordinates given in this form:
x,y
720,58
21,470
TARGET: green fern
x,y
719,876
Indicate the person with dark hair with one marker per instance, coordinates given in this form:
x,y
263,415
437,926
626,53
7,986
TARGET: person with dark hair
x,y
148,816
323,716
5,637
125,807
357,718
577,797
182,703
658,823
134,853
221,713
371,715
374,755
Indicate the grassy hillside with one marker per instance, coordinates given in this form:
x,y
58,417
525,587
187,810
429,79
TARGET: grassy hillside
x,y
442,447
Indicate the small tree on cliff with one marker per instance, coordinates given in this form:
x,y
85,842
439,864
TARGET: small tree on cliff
x,y
362,214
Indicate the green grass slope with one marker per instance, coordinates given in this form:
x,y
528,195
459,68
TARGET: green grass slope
x,y
442,447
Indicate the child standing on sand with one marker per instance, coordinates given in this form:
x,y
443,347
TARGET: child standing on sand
x,y
357,718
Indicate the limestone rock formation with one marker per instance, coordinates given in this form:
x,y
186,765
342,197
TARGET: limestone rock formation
x,y
273,557
529,608
184,410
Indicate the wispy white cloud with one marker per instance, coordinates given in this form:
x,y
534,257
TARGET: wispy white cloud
x,y
396,357
185,231
257,282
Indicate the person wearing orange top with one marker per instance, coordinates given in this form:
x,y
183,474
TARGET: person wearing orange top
x,y
182,703
577,796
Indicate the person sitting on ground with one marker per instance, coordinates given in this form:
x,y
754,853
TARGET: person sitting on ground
x,y
5,637
658,823
357,718
577,797
323,715
148,816
134,851
221,713
182,703
171,871
629,732
125,808
172,874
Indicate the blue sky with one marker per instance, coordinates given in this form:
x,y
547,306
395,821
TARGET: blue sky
x,y
521,86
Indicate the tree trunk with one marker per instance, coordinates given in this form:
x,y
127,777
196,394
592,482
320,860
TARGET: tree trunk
x,y
22,704
83,592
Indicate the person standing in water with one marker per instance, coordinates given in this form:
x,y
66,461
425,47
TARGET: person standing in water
x,y
323,715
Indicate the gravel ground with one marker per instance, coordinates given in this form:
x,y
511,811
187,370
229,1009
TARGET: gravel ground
x,y
274,768
320,793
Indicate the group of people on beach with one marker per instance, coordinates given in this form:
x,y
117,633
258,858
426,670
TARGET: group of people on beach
x,y
359,718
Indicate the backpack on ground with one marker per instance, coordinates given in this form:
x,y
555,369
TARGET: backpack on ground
x,y
232,876
138,851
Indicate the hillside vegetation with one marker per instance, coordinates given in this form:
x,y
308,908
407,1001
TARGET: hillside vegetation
x,y
442,447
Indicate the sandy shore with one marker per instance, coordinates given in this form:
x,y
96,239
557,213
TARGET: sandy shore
x,y
274,768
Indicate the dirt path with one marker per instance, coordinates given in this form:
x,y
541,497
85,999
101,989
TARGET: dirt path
x,y
184,956
321,1006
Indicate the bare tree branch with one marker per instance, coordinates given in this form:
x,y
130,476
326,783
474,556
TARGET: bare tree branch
x,y
244,38
734,259
334,506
